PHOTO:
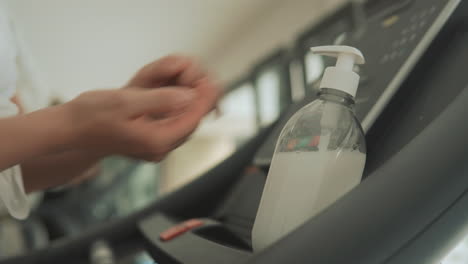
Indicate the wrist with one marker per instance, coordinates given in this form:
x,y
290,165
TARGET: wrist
x,y
68,131
60,128
73,132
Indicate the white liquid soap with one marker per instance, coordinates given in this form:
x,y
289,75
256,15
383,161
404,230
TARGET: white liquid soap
x,y
319,157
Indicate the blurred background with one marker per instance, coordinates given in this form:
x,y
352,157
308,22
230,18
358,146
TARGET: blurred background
x,y
66,47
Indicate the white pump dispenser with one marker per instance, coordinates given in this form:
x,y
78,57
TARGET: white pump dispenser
x,y
341,77
320,154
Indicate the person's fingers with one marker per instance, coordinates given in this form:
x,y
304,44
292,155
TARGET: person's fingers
x,y
191,75
211,93
166,134
173,132
160,71
179,127
159,101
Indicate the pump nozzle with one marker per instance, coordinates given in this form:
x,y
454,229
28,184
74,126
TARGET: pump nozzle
x,y
341,77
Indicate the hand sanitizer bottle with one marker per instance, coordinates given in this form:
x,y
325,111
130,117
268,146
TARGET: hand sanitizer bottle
x,y
320,154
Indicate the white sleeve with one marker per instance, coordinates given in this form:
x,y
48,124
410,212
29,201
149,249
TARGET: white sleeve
x,y
12,194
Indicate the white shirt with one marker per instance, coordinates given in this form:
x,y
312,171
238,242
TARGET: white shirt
x,y
12,194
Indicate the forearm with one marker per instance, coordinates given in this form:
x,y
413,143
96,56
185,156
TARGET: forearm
x,y
39,133
56,169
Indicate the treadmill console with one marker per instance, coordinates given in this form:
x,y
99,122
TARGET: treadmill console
x,y
392,35
396,35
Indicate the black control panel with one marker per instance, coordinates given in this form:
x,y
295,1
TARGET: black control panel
x,y
392,35
395,37
393,40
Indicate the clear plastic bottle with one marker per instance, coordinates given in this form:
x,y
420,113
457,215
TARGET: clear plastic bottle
x,y
319,157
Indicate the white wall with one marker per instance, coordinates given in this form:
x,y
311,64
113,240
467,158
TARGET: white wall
x,y
274,27
79,45
87,44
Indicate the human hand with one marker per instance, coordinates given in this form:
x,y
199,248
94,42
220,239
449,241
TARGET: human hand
x,y
141,123
163,118
176,70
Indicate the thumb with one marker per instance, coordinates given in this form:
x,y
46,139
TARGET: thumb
x,y
161,101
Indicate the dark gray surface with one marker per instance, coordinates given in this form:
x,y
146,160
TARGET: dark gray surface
x,y
440,237
437,79
395,205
